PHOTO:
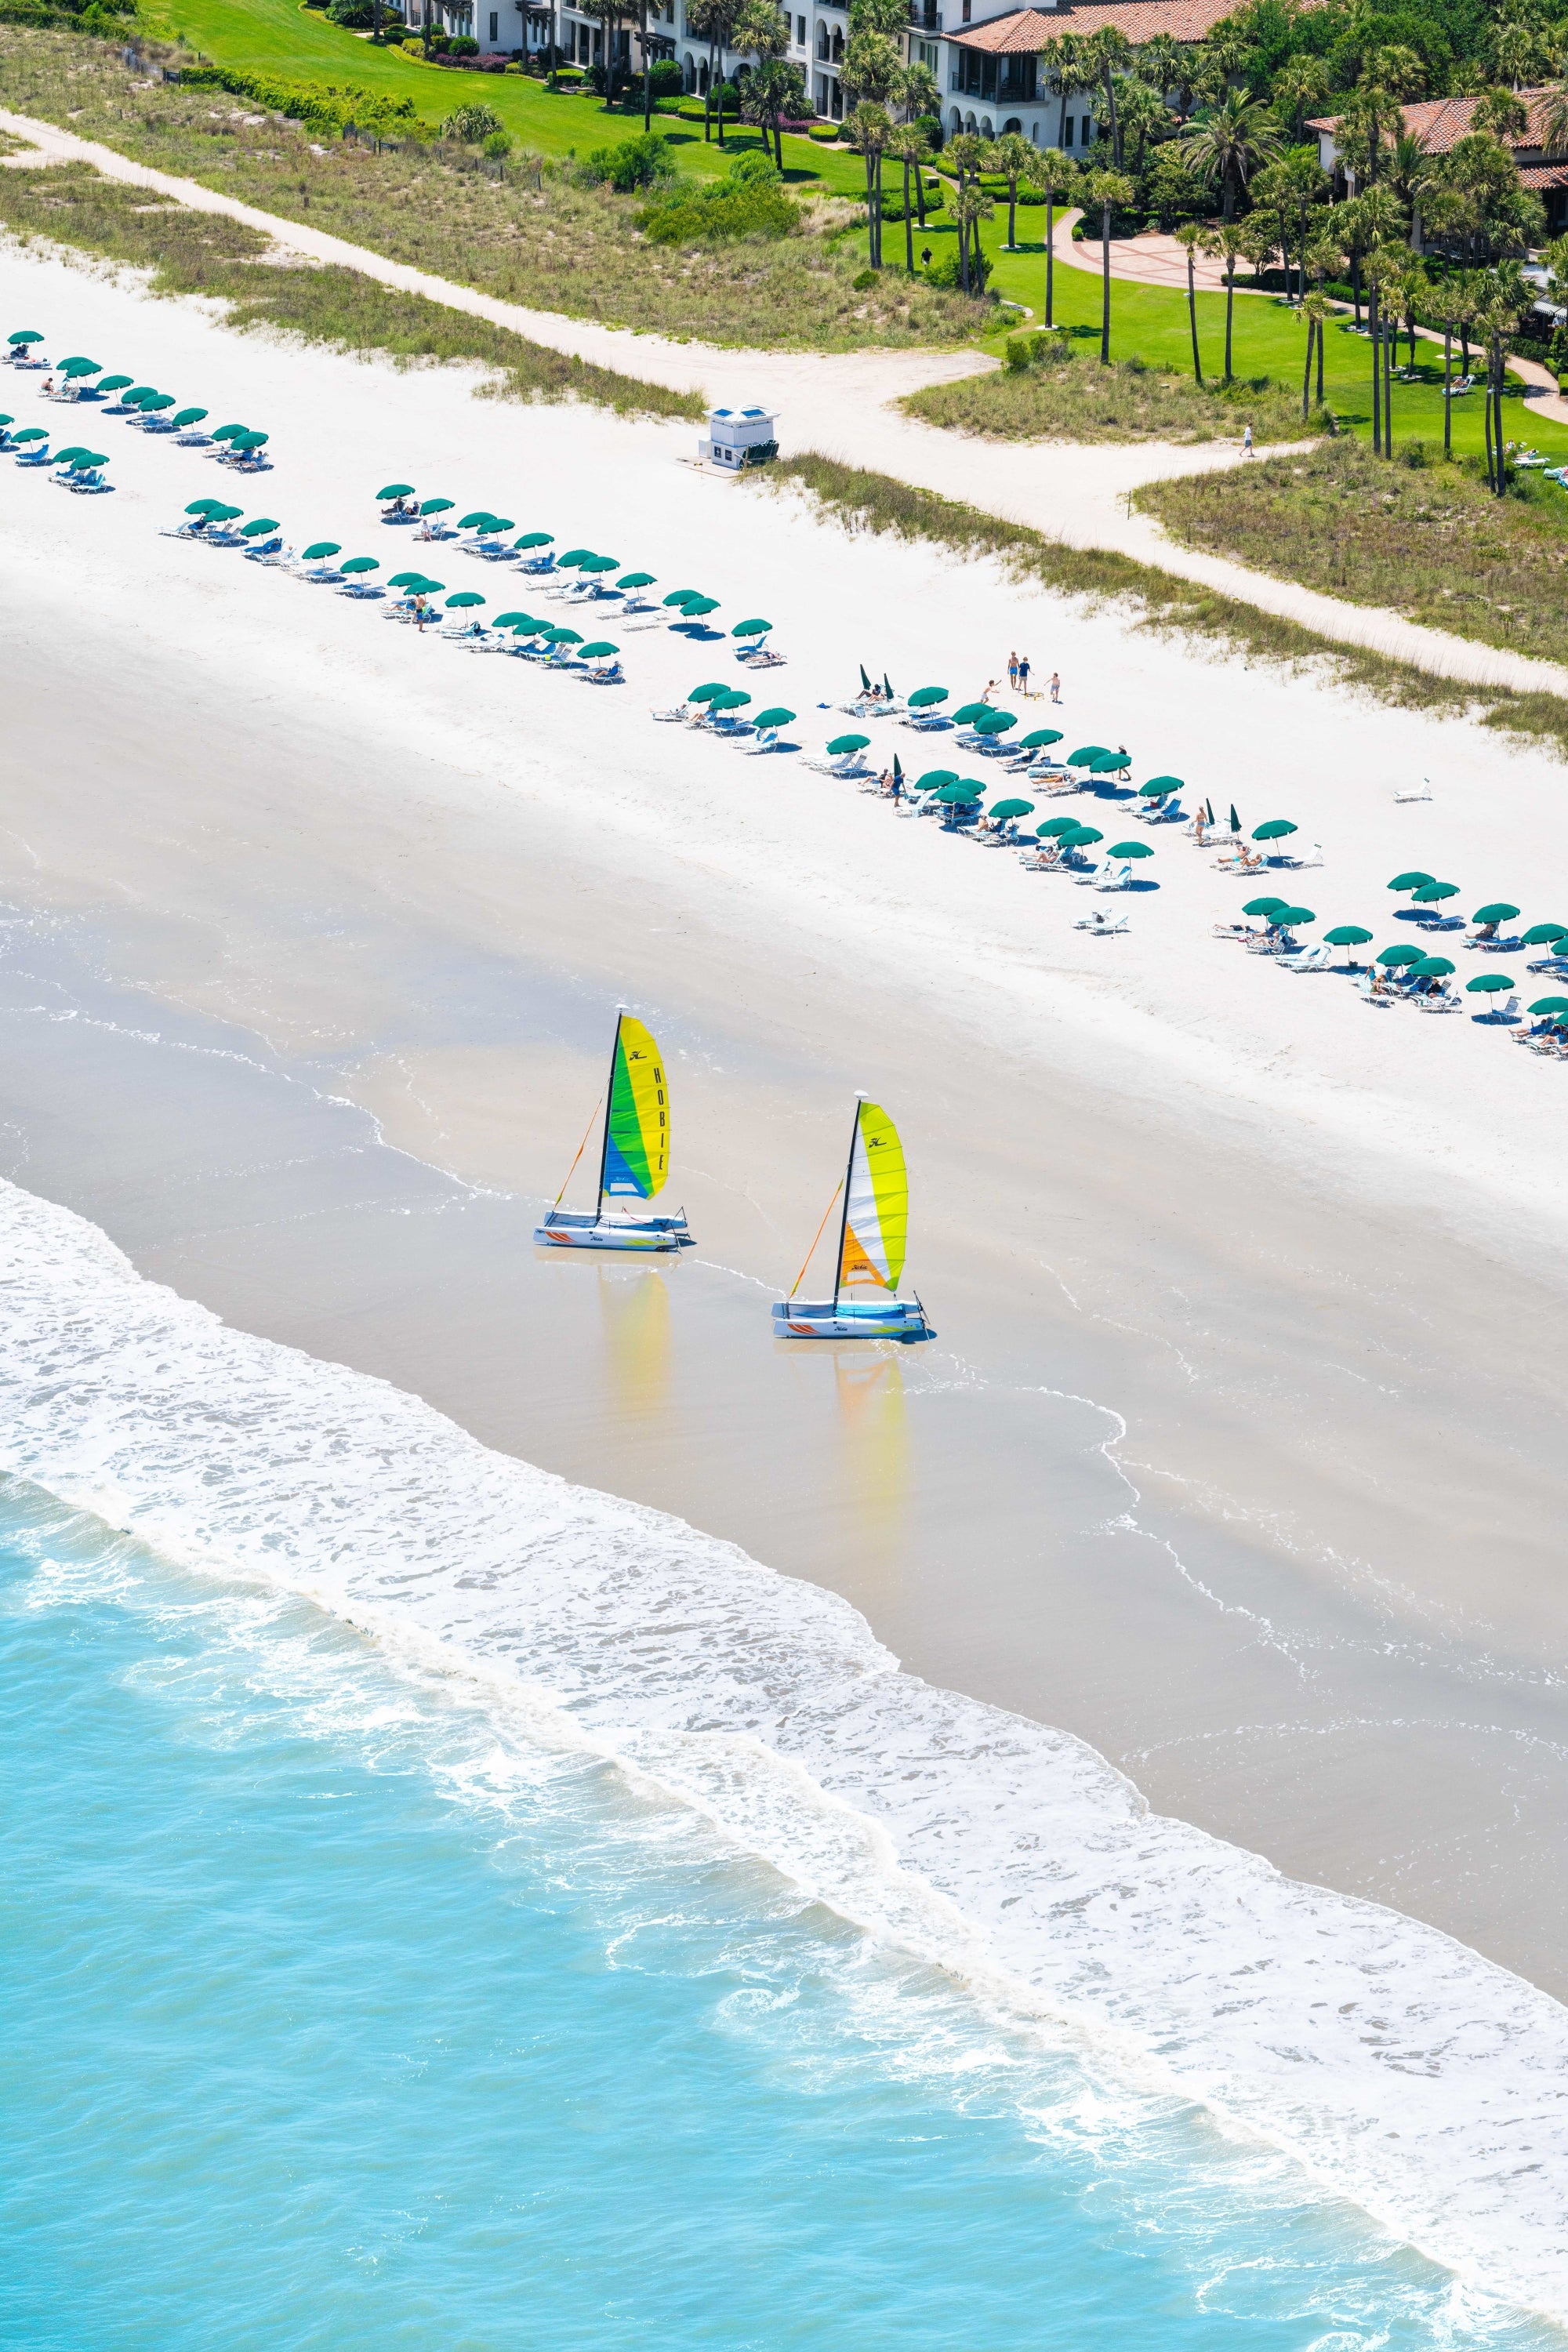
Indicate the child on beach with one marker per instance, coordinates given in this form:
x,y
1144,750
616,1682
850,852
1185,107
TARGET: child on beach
x,y
1013,672
1055,687
1024,674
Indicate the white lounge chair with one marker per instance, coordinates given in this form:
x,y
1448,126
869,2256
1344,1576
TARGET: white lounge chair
x,y
1316,959
1121,879
1101,925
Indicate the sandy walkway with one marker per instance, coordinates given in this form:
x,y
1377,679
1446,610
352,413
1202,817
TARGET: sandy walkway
x,y
836,404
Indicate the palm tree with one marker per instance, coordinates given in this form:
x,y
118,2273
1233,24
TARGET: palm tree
x,y
1453,303
1315,308
1554,118
713,21
909,147
1496,319
870,133
1194,236
970,205
1301,82
1226,244
772,91
1229,140
918,93
1103,56
1015,158
1055,177
1108,190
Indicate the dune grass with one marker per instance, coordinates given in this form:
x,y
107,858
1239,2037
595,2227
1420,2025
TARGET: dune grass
x,y
535,237
189,252
1154,600
1430,542
1073,398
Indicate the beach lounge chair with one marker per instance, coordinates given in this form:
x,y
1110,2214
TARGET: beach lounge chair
x,y
1118,878
1318,958
1441,999
263,550
1503,1015
91,484
1372,990
36,456
1101,925
603,673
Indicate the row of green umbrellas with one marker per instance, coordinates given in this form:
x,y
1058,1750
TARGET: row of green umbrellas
x,y
720,697
1424,890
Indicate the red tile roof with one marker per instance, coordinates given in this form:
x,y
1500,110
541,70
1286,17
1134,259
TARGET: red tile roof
x,y
1441,123
1545,175
1025,32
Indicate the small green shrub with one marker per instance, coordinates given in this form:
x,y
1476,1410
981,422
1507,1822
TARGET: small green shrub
x,y
462,45
471,124
864,280
498,146
738,205
644,162
945,270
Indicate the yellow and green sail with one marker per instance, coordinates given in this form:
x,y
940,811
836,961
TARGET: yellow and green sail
x,y
877,1211
636,1131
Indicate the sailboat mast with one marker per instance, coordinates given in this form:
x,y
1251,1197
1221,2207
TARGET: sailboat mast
x,y
609,1105
844,1220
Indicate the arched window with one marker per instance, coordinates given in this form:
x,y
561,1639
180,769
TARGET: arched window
x,y
985,129
955,121
1012,124
837,44
969,122
702,78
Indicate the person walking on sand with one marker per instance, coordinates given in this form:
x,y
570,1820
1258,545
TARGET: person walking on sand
x,y
1055,687
1246,439
991,687
1013,672
1023,674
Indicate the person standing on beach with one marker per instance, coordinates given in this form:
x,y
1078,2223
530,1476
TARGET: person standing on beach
x,y
1246,439
1055,687
991,687
1023,674
1013,672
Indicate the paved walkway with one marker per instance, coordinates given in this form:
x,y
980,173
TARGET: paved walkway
x,y
837,404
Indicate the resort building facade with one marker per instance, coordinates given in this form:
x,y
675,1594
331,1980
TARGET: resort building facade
x,y
1438,124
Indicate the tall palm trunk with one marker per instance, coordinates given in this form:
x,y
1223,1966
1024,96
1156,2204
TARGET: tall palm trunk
x,y
1372,324
1229,312
1491,471
1050,257
1105,285
909,224
1355,287
1390,350
1307,372
1447,391
1193,318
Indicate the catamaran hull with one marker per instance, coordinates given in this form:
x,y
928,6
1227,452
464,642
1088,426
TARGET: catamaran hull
x,y
575,1229
885,1319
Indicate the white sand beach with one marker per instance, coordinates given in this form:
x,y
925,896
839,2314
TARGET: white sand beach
x,y
1245,1399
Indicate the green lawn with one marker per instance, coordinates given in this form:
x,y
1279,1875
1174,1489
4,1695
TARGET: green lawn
x,y
1269,339
300,44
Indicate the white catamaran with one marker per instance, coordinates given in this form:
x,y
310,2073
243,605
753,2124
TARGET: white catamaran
x,y
634,1157
872,1233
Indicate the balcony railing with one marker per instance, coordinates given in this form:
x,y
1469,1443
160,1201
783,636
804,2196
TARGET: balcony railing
x,y
925,16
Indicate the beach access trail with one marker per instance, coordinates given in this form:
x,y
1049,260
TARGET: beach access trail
x,y
837,404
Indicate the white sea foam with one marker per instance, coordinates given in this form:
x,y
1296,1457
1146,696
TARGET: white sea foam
x,y
1406,2071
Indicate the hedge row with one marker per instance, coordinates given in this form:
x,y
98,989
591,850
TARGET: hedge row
x,y
325,107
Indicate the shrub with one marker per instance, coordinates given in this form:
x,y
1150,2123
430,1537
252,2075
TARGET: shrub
x,y
931,125
1039,347
945,270
864,280
754,169
669,81
462,45
644,162
324,106
359,16
470,124
498,146
734,207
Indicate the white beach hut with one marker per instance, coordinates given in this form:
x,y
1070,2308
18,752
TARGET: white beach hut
x,y
735,435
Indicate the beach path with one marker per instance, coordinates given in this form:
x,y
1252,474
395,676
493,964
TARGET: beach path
x,y
837,404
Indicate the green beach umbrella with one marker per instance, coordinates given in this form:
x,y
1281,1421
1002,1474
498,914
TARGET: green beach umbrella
x,y
143,394
778,717
1412,881
30,433
226,514
1085,752
751,628
188,416
204,506
1235,820
602,648
576,555
564,636
1550,1004
1158,786
321,548
842,743
1275,830
1496,911
968,712
497,522
65,457
595,562
1430,893
996,722
394,490
480,516
959,794
1263,906
1038,740
1289,917
697,606
162,400
1057,828
80,367
1346,935
1401,953
1540,933
24,335
1080,836
706,693
115,382
529,537
632,580
925,698
681,596
1014,808
361,564
1132,849
1108,763
1434,967
223,432
463,600
933,777
86,459
415,580
508,620
1488,983
254,530
435,506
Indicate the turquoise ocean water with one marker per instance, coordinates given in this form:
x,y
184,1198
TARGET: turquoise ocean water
x,y
338,2013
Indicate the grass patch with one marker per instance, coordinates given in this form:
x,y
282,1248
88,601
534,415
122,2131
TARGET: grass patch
x,y
1155,600
204,252
534,237
1069,396
1430,542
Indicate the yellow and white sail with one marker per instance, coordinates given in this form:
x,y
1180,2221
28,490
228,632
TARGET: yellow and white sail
x,y
876,1205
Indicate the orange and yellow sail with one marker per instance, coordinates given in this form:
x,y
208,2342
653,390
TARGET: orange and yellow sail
x,y
876,1207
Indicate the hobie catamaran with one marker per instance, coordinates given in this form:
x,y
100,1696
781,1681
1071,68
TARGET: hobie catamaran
x,y
872,1231
634,1157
